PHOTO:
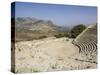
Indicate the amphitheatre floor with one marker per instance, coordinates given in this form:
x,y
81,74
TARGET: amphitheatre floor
x,y
50,54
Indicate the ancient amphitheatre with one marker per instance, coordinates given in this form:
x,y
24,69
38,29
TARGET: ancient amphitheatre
x,y
53,37
56,54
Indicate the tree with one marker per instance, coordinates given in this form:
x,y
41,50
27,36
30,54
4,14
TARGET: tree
x,y
76,30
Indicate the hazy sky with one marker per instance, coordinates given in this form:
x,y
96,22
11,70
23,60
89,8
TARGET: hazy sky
x,y
59,14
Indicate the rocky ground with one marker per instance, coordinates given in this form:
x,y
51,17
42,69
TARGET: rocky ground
x,y
50,54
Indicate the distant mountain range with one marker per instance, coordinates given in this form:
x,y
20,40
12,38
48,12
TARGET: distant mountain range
x,y
31,28
27,22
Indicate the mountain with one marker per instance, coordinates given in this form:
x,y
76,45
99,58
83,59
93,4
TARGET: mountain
x,y
23,20
31,28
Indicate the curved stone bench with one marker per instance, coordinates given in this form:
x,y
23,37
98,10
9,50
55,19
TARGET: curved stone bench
x,y
86,46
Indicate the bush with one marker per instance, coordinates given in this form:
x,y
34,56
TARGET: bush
x,y
41,37
58,36
76,30
61,35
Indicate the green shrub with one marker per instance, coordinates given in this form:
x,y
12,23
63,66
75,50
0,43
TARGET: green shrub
x,y
41,37
76,30
61,35
58,36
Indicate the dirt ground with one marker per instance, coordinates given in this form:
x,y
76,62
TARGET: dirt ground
x,y
50,54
